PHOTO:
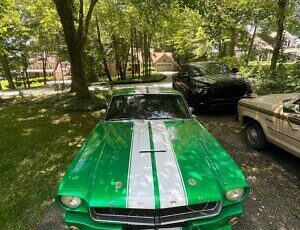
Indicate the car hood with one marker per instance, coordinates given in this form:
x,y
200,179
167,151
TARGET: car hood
x,y
272,102
151,164
221,79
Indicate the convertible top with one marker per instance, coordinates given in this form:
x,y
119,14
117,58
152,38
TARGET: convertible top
x,y
145,90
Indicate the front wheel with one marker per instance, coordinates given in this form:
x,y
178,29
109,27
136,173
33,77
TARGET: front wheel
x,y
255,136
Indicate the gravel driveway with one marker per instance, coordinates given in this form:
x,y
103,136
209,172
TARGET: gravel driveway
x,y
274,176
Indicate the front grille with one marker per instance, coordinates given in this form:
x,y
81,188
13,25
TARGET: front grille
x,y
156,217
229,91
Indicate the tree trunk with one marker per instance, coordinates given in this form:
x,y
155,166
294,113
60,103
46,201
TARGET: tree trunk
x,y
7,71
125,63
62,75
149,55
107,73
65,12
233,41
251,45
25,67
137,53
145,59
222,49
44,61
131,53
117,57
282,4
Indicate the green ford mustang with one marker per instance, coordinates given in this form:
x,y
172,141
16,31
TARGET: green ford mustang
x,y
150,165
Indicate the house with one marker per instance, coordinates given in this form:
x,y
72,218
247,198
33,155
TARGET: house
x,y
163,61
264,49
290,45
160,62
54,68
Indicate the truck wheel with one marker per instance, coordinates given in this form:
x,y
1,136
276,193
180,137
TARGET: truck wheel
x,y
255,136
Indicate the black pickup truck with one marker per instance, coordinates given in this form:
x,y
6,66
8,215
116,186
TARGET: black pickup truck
x,y
210,83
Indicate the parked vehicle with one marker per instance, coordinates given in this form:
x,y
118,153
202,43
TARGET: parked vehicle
x,y
150,164
211,83
273,118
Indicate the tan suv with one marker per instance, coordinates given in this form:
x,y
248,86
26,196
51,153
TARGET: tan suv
x,y
272,118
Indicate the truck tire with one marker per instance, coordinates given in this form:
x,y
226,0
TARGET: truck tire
x,y
255,136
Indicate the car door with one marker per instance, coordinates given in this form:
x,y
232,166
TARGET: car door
x,y
289,131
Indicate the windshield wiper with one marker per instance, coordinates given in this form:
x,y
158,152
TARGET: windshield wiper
x,y
121,119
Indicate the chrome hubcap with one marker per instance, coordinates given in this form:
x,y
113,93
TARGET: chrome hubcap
x,y
252,135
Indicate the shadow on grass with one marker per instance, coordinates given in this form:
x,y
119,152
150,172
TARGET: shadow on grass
x,y
37,143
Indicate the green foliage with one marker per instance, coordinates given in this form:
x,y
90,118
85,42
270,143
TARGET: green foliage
x,y
287,78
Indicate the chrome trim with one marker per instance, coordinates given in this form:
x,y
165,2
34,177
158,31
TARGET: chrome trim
x,y
161,224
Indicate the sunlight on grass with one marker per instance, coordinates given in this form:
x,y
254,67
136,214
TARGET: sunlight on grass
x,y
37,143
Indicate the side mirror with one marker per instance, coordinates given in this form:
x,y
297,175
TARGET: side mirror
x,y
192,110
290,108
183,74
235,70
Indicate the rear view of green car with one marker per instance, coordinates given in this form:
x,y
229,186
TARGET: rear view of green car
x,y
150,165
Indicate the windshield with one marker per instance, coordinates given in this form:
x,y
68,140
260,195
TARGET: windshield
x,y
147,107
214,68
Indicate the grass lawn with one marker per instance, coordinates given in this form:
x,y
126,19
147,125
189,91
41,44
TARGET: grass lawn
x,y
37,143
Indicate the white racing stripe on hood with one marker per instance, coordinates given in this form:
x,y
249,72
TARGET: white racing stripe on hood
x,y
140,184
171,187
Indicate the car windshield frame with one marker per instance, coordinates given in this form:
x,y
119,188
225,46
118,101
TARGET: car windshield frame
x,y
187,114
206,68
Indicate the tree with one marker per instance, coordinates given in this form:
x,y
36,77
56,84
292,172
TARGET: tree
x,y
48,29
6,8
281,14
75,39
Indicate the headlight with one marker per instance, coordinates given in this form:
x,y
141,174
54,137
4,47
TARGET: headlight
x,y
199,84
200,87
71,201
235,194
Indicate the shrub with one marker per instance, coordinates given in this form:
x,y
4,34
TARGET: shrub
x,y
287,78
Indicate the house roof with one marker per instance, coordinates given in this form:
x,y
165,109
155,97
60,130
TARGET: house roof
x,y
155,56
287,35
262,44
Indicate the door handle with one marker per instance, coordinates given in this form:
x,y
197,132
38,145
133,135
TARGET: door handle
x,y
270,119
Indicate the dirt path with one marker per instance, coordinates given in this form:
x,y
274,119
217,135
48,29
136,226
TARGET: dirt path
x,y
274,175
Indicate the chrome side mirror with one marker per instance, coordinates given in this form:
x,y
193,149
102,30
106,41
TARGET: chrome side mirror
x,y
290,108
192,110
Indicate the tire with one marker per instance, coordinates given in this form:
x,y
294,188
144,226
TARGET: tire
x,y
255,136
